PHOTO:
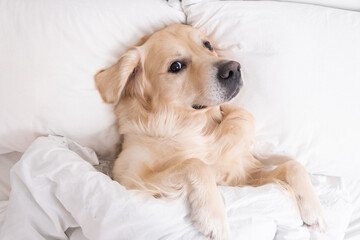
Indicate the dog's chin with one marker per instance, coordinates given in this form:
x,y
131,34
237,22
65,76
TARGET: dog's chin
x,y
229,97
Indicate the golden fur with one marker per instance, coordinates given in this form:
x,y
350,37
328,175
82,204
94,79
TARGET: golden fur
x,y
171,149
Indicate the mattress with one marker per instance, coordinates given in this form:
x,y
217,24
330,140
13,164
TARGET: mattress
x,y
67,198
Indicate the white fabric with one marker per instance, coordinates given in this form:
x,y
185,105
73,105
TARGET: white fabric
x,y
49,54
6,162
300,65
56,193
353,230
343,4
296,57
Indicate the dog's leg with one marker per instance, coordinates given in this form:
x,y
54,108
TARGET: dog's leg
x,y
295,176
207,209
239,123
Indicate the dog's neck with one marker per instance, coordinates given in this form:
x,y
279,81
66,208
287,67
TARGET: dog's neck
x,y
135,117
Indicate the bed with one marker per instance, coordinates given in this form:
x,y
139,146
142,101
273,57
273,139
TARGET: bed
x,y
58,139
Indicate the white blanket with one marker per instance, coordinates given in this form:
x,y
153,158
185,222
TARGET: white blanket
x,y
57,194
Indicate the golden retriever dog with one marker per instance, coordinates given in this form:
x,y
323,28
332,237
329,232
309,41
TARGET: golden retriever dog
x,y
181,138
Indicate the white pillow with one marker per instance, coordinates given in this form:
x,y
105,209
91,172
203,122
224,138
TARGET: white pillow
x,y
49,53
301,67
343,4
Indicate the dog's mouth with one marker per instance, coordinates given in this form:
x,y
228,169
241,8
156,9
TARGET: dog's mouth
x,y
234,93
229,97
197,107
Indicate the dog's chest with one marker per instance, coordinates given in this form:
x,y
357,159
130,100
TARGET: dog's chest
x,y
173,137
183,142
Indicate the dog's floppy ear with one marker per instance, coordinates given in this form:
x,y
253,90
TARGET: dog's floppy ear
x,y
120,79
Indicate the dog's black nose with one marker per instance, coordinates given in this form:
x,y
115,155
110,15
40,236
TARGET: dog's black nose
x,y
229,70
229,77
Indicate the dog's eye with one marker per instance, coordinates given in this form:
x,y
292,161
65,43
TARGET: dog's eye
x,y
175,67
208,45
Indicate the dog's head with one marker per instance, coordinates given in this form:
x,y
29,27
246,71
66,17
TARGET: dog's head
x,y
175,66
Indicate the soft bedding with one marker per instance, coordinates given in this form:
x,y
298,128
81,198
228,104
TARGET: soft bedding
x,y
343,4
353,229
6,162
56,193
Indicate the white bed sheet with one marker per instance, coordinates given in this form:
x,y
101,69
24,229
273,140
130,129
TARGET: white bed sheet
x,y
6,162
353,230
66,198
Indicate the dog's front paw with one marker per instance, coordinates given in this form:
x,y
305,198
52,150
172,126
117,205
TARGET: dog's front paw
x,y
209,216
226,109
235,113
311,213
213,227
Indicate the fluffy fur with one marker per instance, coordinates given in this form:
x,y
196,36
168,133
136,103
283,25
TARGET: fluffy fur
x,y
171,149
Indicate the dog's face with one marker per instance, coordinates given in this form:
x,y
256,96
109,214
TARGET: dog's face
x,y
174,66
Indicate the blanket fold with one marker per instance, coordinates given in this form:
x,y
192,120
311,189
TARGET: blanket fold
x,y
56,193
